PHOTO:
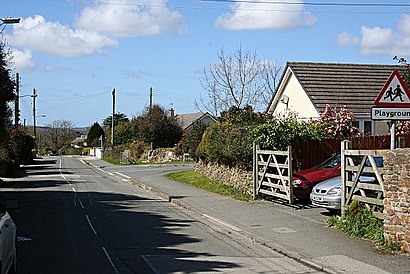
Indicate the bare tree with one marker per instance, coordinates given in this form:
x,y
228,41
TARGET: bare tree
x,y
238,80
270,71
59,133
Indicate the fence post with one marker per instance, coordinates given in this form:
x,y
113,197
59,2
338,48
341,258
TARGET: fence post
x,y
344,145
290,169
255,170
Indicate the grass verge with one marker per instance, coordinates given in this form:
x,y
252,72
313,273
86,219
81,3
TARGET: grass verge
x,y
196,179
119,162
359,222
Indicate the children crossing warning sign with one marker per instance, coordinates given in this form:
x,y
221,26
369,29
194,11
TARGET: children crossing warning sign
x,y
394,92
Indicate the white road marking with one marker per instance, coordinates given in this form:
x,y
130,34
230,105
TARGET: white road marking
x,y
109,259
123,175
234,228
91,225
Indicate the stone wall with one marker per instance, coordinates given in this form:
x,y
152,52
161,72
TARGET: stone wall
x,y
231,176
397,198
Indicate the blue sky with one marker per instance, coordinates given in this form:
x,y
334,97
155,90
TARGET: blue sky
x,y
74,52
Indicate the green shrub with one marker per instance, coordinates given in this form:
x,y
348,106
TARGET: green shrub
x,y
359,222
22,144
281,133
227,144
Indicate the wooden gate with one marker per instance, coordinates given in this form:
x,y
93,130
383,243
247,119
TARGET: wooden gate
x,y
272,173
356,163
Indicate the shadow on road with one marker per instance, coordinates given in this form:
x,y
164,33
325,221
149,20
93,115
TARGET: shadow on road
x,y
132,229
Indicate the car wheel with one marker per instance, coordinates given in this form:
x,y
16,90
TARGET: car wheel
x,y
334,211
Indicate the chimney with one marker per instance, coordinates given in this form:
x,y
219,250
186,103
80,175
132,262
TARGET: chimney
x,y
172,113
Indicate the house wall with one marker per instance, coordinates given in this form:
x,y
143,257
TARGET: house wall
x,y
298,100
206,120
397,198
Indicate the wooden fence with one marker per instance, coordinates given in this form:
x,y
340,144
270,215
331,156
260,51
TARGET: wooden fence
x,y
312,153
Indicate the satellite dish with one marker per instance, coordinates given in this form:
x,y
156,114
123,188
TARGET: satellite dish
x,y
285,99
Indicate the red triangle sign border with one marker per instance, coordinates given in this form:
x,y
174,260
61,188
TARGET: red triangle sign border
x,y
395,73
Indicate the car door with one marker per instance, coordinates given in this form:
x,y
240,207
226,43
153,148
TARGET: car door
x,y
7,238
3,238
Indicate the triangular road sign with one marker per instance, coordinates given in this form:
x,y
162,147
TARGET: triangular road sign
x,y
394,92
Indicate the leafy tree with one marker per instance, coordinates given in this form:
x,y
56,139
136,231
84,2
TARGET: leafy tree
x,y
155,127
238,80
405,71
241,116
124,133
192,138
7,87
59,133
118,118
94,134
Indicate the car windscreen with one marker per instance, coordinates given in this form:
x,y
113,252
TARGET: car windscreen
x,y
331,162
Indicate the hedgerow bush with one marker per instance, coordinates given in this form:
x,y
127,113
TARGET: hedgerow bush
x,y
22,144
280,133
231,142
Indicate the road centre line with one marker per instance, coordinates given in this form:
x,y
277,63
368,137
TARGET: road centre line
x,y
90,224
109,259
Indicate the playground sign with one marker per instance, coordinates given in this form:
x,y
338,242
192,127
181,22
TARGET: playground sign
x,y
394,93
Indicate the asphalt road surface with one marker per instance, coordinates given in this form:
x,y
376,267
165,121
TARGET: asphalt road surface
x,y
75,218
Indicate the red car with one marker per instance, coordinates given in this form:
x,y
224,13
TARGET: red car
x,y
303,181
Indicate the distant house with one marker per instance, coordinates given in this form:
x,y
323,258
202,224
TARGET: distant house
x,y
188,120
306,88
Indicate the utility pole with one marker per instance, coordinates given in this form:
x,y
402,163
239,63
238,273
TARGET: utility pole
x,y
112,120
34,95
150,99
150,111
17,102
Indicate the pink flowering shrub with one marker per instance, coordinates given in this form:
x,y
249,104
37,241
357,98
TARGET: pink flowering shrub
x,y
338,123
403,128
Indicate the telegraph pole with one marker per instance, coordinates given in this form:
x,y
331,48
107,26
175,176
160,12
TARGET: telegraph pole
x,y
16,102
112,120
150,99
34,95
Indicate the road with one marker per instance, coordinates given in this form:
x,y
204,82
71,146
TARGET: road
x,y
76,218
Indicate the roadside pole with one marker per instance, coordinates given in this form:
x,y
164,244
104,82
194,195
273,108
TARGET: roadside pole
x,y
392,135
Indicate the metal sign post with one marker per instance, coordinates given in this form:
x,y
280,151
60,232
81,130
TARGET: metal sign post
x,y
392,135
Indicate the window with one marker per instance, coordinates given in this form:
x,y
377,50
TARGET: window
x,y
366,126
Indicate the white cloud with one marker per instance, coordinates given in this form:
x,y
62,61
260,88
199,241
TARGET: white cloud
x,y
23,60
381,41
51,38
131,18
345,39
263,15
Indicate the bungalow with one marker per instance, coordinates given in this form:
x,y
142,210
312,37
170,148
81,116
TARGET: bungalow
x,y
188,120
306,88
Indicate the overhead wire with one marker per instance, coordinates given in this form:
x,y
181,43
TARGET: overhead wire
x,y
264,9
